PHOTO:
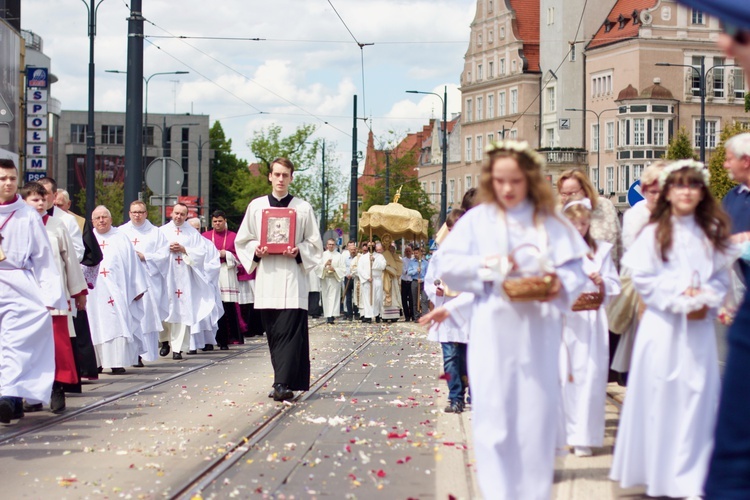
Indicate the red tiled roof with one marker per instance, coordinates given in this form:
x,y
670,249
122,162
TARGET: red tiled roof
x,y
375,159
621,14
254,168
526,29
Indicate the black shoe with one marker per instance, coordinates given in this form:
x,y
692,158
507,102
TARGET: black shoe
x,y
118,371
164,349
329,321
57,403
192,352
176,355
209,347
454,407
29,408
378,319
282,392
223,347
139,364
10,408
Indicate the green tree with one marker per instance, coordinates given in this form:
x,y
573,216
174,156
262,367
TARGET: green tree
x,y
720,181
110,195
680,147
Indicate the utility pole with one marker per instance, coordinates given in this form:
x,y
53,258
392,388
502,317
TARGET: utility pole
x,y
353,209
90,132
323,214
134,109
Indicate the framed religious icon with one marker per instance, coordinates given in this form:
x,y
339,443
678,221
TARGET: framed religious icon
x,y
277,231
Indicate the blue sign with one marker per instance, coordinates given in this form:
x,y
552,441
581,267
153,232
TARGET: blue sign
x,y
37,77
33,176
634,193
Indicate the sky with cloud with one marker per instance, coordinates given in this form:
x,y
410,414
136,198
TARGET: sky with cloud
x,y
305,70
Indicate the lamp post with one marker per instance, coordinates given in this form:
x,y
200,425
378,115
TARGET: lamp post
x,y
92,7
702,92
598,131
443,194
200,145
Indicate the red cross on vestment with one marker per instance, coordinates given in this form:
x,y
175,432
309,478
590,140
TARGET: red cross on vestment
x,y
135,241
103,244
105,272
111,302
179,259
178,293
178,231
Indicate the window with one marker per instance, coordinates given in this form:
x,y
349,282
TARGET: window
x,y
469,77
148,136
637,171
489,6
513,66
491,36
502,33
490,138
697,17
469,110
480,102
623,139
659,132
572,52
451,189
468,149
424,186
491,69
479,72
433,191
610,188
624,179
112,134
719,77
595,138
491,106
480,151
639,132
513,101
609,138
77,133
739,83
695,78
467,183
501,104
479,39
711,127
514,134
550,16
551,99
601,85
594,177
550,135
502,67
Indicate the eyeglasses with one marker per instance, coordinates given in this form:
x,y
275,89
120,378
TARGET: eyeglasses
x,y
139,212
573,193
692,186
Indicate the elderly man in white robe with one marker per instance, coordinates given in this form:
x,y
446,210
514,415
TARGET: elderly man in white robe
x,y
115,309
281,280
30,285
152,249
370,269
331,271
191,298
204,333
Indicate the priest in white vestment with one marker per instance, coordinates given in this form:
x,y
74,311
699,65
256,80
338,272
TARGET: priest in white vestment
x,y
204,332
370,267
115,308
191,298
152,249
331,271
29,286
281,291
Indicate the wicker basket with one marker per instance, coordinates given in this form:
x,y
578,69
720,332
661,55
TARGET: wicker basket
x,y
527,288
588,301
703,311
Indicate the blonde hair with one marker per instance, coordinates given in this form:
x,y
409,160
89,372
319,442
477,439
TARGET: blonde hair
x,y
579,211
651,173
588,188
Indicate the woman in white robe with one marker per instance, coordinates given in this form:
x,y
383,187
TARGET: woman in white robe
x,y
584,354
514,349
680,264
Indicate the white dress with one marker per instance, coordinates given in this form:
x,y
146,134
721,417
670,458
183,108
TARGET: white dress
x,y
584,356
666,429
330,282
371,308
514,349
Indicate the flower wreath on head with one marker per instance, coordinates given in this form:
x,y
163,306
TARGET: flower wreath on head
x,y
521,147
679,165
585,202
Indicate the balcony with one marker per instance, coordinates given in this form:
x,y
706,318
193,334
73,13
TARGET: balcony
x,y
557,157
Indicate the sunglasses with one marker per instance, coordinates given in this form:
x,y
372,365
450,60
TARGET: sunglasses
x,y
739,35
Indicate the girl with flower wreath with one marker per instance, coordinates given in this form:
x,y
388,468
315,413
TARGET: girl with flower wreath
x,y
680,267
584,356
514,349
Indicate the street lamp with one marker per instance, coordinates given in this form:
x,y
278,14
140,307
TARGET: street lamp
x,y
598,131
444,194
200,145
702,90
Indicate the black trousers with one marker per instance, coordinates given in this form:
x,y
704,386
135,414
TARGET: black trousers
x,y
288,341
229,326
251,317
349,287
406,302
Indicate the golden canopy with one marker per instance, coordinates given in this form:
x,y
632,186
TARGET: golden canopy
x,y
394,219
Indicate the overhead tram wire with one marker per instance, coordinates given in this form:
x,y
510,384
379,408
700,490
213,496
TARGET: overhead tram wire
x,y
251,80
292,40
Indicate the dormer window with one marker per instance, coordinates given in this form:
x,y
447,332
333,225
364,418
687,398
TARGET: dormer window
x,y
622,20
608,25
635,17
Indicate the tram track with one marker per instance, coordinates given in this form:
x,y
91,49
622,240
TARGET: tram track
x,y
234,454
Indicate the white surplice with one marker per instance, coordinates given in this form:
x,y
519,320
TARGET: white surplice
x,y
330,282
113,311
280,283
514,348
204,332
71,224
148,240
29,284
371,266
666,429
68,266
584,356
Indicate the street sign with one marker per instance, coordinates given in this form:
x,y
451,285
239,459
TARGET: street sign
x,y
634,193
159,201
564,123
33,176
165,176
